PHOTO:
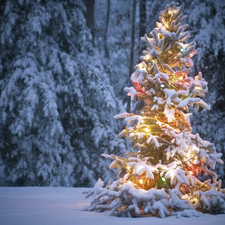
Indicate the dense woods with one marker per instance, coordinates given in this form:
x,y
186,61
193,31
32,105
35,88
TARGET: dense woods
x,y
63,68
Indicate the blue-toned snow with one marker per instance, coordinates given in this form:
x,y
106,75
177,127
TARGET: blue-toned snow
x,y
62,206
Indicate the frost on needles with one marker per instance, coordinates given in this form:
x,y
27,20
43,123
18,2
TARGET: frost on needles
x,y
170,171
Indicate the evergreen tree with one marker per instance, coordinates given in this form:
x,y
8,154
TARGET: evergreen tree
x,y
172,169
53,87
208,30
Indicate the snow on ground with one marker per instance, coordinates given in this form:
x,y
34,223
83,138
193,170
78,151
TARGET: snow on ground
x,y
62,206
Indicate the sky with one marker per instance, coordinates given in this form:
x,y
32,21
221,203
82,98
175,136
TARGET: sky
x,y
63,206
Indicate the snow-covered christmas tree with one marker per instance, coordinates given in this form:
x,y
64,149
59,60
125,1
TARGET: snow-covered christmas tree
x,y
171,170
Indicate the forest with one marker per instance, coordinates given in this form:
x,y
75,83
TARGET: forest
x,y
63,69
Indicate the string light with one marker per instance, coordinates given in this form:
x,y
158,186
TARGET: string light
x,y
162,85
195,199
147,130
163,179
166,25
128,167
147,57
170,12
141,181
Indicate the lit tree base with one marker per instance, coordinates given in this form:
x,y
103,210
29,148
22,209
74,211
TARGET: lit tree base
x,y
124,200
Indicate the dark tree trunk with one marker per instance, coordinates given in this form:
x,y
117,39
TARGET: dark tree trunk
x,y
106,29
142,31
132,48
89,16
142,11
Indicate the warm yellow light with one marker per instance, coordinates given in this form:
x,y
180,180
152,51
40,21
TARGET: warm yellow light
x,y
181,78
129,182
166,25
147,130
195,199
147,57
169,52
191,172
141,181
128,167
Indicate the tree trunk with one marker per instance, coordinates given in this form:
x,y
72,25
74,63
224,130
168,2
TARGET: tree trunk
x,y
142,11
106,29
89,16
132,49
142,31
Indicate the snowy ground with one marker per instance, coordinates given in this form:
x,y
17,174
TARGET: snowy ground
x,y
62,206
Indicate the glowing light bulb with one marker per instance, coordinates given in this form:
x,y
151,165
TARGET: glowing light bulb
x,y
147,130
166,25
162,85
163,179
147,57
128,167
170,12
141,181
191,172
129,182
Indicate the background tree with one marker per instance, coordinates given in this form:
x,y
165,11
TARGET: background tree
x,y
53,87
106,29
90,18
142,23
132,46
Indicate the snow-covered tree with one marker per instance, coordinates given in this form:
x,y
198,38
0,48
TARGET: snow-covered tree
x,y
207,27
53,87
171,169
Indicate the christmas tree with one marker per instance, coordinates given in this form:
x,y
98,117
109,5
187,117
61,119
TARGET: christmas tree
x,y
171,170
